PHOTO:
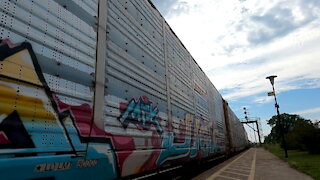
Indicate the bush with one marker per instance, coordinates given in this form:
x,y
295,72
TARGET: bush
x,y
312,141
304,137
300,133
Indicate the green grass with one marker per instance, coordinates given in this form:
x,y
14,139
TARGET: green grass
x,y
300,160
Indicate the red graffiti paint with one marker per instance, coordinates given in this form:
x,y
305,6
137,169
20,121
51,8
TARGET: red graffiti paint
x,y
9,43
156,142
3,138
122,156
82,115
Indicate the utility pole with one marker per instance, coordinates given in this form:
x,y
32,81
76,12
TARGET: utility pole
x,y
273,93
249,121
258,131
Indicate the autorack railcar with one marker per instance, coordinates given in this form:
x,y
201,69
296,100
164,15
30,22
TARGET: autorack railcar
x,y
102,89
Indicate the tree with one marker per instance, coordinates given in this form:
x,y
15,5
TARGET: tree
x,y
300,133
317,123
289,121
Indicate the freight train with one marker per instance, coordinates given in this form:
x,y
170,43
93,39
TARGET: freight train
x,y
103,89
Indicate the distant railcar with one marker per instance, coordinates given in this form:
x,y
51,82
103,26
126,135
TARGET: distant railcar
x,y
103,89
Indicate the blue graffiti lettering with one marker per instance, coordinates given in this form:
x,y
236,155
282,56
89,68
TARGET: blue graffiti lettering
x,y
142,114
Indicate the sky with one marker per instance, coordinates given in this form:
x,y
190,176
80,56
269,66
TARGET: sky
x,y
238,43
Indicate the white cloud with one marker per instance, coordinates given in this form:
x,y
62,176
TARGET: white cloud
x,y
313,114
239,43
263,99
297,67
308,111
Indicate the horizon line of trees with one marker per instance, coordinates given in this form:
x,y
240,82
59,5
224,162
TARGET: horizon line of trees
x,y
300,133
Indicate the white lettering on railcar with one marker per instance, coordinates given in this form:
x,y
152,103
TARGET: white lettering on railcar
x,y
58,166
87,163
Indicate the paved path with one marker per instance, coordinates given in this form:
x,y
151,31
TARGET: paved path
x,y
269,166
253,164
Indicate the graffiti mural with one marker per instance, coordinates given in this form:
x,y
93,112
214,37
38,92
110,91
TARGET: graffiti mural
x,y
140,112
13,134
146,121
24,94
192,140
34,119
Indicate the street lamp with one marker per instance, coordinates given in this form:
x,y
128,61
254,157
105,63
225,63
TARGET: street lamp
x,y
271,78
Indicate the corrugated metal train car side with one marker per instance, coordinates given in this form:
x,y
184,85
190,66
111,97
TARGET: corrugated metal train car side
x,y
47,75
102,90
150,71
236,134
